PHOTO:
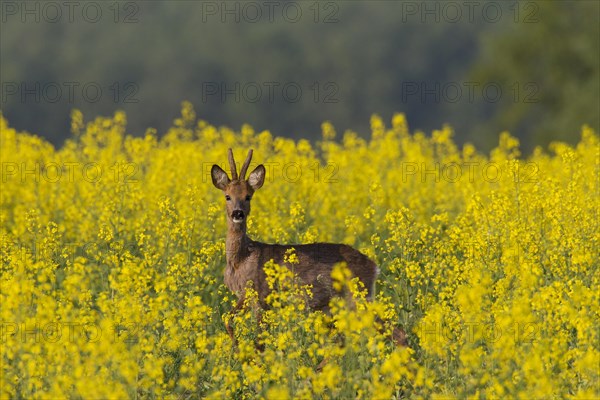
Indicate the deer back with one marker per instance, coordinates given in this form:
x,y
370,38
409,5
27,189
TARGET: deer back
x,y
314,267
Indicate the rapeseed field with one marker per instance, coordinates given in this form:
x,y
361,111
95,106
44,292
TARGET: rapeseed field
x,y
113,251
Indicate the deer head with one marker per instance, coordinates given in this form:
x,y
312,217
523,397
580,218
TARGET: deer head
x,y
238,190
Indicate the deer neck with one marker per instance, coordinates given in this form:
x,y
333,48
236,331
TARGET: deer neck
x,y
236,245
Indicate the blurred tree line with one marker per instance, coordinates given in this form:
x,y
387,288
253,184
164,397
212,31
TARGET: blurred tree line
x,y
528,67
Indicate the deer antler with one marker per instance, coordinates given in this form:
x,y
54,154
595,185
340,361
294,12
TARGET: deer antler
x,y
234,174
246,164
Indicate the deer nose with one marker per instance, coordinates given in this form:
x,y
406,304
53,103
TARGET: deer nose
x,y
237,215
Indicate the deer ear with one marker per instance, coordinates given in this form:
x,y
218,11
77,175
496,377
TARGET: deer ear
x,y
219,177
257,177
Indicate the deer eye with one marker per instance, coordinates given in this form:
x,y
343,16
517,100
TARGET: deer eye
x,y
227,197
248,197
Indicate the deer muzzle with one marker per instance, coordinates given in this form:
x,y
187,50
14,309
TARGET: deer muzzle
x,y
237,216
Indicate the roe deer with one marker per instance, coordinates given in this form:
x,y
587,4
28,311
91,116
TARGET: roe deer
x,y
246,257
